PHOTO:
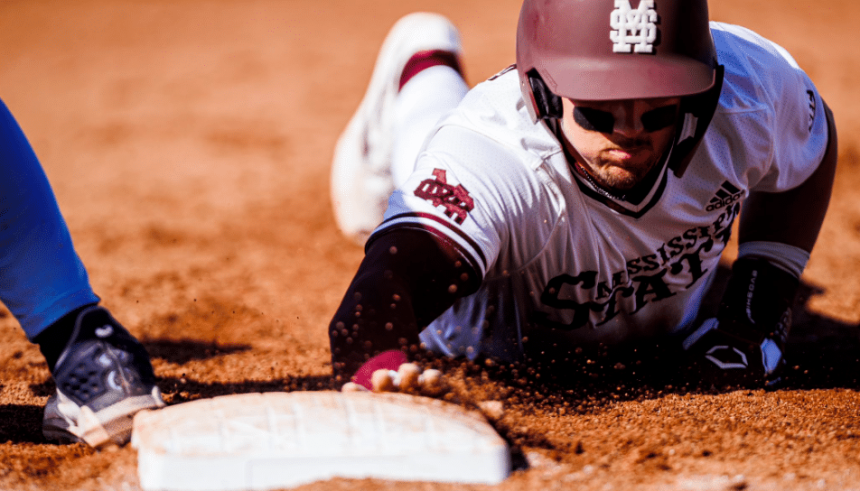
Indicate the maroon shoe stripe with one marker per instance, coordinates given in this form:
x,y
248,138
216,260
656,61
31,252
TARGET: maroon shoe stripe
x,y
423,60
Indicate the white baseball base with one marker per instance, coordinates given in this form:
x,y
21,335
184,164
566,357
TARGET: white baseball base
x,y
281,440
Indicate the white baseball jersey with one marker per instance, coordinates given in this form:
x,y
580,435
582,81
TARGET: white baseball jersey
x,y
562,260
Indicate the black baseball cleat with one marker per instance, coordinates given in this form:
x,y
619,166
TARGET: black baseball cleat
x,y
104,377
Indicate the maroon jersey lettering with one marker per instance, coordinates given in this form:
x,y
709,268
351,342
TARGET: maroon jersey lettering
x,y
455,199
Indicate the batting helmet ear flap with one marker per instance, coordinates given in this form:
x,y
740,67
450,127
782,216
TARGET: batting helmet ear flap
x,y
696,113
546,104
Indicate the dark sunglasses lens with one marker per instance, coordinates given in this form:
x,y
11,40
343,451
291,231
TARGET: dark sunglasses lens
x,y
593,120
659,118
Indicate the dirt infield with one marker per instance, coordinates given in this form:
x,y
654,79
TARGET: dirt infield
x,y
189,145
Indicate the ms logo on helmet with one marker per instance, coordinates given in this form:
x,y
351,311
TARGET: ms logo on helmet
x,y
633,28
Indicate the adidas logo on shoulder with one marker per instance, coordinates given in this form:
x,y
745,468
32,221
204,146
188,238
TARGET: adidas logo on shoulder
x,y
725,195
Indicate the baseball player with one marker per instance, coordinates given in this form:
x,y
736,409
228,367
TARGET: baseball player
x,y
583,196
103,374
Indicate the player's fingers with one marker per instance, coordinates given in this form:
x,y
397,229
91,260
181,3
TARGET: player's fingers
x,y
431,382
408,375
383,381
408,378
353,387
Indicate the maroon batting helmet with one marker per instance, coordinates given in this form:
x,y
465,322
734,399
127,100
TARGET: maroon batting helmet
x,y
610,50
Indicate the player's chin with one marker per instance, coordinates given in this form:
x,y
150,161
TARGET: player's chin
x,y
618,178
624,175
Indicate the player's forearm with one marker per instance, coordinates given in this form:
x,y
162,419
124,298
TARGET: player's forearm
x,y
793,217
376,315
404,282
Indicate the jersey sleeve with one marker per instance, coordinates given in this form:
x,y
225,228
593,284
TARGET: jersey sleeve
x,y
800,127
796,121
467,190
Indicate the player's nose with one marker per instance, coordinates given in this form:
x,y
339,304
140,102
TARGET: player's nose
x,y
628,119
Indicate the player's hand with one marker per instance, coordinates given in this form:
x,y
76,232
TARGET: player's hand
x,y
391,371
745,344
721,358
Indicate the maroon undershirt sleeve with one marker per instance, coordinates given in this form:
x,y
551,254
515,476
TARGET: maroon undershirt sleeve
x,y
408,278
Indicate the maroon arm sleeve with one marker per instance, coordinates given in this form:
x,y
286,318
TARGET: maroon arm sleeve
x,y
407,278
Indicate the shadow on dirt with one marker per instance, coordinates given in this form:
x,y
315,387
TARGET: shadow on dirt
x,y
822,353
184,350
183,390
21,424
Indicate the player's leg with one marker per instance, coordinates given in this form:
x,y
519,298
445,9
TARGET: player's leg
x,y
426,96
103,374
369,154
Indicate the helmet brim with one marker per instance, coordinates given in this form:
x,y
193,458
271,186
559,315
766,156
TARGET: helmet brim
x,y
637,77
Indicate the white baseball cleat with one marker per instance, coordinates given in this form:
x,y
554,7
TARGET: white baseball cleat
x,y
361,177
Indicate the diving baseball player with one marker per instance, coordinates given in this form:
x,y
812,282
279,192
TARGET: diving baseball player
x,y
103,374
583,196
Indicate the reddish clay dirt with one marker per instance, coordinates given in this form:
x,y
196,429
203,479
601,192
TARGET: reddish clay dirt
x,y
189,145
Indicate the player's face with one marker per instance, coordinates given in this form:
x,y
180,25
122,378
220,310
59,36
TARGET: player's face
x,y
620,141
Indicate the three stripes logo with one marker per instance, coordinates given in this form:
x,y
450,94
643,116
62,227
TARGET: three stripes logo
x,y
726,195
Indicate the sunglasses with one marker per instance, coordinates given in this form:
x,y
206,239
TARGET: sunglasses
x,y
604,122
